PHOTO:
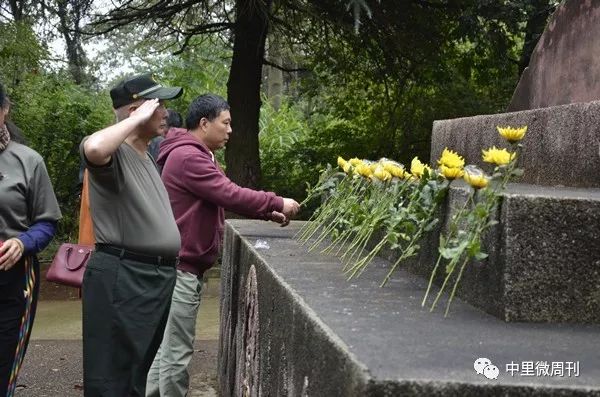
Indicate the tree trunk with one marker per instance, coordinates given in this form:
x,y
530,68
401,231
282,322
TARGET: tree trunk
x,y
70,30
243,91
16,9
274,75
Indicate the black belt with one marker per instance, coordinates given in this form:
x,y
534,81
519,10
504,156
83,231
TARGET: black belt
x,y
122,253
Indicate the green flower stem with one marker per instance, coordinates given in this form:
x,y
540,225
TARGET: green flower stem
x,y
452,264
358,245
433,273
325,208
359,248
456,219
343,242
341,211
312,193
402,257
346,234
476,234
462,268
330,208
366,260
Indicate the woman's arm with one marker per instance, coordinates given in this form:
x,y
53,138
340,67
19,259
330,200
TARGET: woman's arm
x,y
37,237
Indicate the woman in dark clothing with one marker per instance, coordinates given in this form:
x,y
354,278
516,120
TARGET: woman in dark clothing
x,y
28,216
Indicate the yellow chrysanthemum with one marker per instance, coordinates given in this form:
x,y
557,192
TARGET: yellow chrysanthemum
x,y
347,167
364,170
396,169
354,161
512,134
341,162
374,166
381,174
451,172
417,168
451,159
475,177
497,156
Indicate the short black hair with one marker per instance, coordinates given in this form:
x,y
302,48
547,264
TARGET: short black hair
x,y
174,119
207,106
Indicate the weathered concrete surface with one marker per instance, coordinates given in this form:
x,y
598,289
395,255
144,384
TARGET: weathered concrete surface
x,y
544,256
317,334
562,145
565,64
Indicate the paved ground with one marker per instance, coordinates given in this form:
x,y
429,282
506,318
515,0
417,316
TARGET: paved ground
x,y
52,365
53,369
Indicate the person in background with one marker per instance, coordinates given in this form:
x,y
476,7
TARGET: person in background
x,y
129,279
173,120
16,135
29,214
199,193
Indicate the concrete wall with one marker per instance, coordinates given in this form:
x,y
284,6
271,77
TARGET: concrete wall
x,y
272,344
293,325
565,65
544,256
562,145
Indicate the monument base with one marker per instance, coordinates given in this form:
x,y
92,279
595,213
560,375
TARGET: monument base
x,y
291,324
544,256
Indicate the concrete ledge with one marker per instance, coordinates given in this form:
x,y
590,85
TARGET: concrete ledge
x,y
292,325
544,256
562,145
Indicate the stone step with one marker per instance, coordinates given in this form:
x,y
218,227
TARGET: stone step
x,y
561,147
544,255
293,325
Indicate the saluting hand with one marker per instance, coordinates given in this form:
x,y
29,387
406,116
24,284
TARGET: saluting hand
x,y
145,111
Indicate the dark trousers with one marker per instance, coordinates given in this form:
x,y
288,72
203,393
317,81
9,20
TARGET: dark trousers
x,y
125,310
19,288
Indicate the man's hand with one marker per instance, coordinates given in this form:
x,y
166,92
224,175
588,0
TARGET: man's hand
x,y
101,145
10,253
279,218
145,111
290,207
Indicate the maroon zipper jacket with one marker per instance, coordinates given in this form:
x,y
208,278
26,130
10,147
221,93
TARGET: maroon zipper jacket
x,y
199,192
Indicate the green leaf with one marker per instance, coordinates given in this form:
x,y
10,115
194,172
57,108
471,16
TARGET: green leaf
x,y
517,172
429,227
455,252
474,248
481,256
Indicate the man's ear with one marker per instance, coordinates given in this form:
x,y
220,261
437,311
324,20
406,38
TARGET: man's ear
x,y
203,122
132,108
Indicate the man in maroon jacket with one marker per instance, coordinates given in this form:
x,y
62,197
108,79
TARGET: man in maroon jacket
x,y
199,193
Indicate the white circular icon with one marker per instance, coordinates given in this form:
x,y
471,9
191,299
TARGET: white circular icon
x,y
491,371
480,364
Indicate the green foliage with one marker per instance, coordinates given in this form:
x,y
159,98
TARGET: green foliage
x,y
20,52
282,135
202,68
55,114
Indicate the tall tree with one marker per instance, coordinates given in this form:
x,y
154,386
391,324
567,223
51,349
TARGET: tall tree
x,y
399,35
64,17
71,14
